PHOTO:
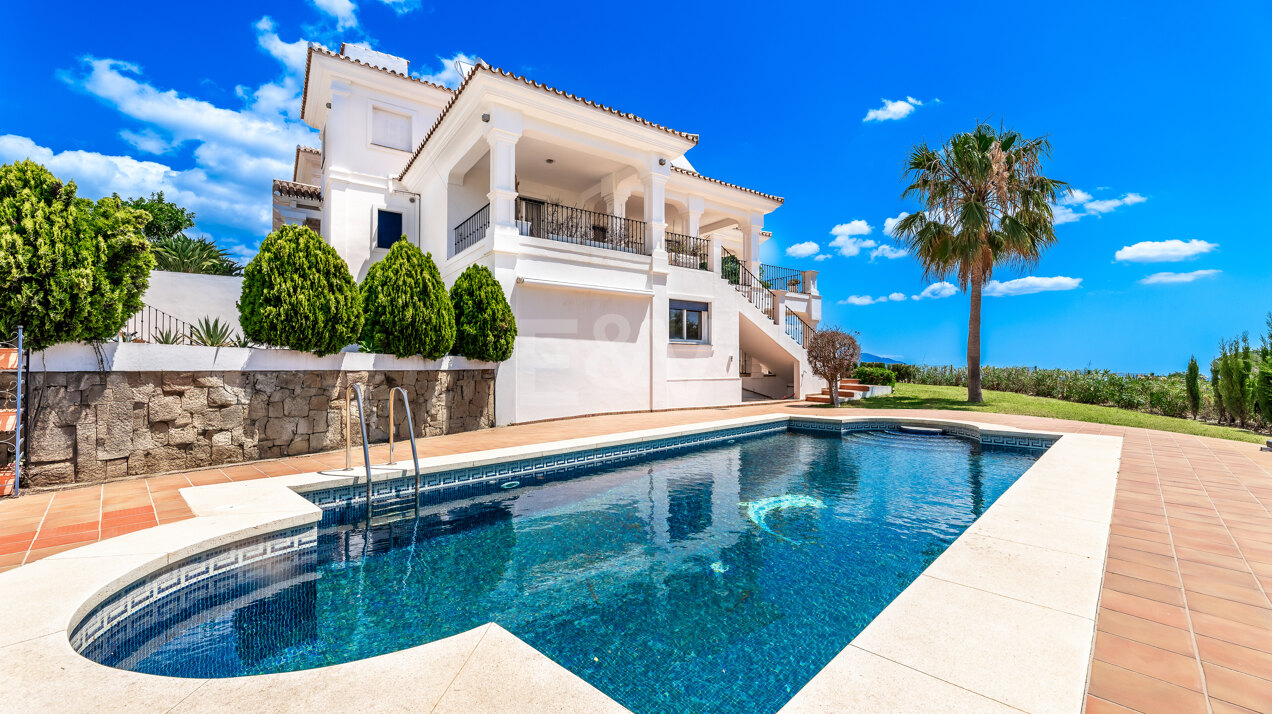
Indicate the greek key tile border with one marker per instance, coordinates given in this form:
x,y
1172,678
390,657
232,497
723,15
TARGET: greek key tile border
x,y
190,577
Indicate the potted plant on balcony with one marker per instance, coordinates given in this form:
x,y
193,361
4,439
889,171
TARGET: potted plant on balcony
x,y
792,285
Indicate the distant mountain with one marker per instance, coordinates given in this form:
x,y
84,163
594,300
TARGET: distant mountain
x,y
867,357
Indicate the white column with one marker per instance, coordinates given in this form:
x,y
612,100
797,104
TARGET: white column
x,y
751,229
503,178
655,184
693,224
505,130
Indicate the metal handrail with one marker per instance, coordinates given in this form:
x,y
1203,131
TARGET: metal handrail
x,y
356,389
686,251
472,229
779,278
554,221
410,425
19,416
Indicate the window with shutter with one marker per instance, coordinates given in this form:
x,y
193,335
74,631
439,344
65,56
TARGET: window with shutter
x,y
390,129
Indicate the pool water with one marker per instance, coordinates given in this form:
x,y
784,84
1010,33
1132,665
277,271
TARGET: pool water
x,y
671,585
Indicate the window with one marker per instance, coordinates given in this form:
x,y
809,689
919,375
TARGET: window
x,y
391,130
687,321
388,228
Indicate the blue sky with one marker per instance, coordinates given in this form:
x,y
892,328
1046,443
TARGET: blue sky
x,y
1157,112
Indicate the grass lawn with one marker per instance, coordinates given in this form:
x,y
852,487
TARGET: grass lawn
x,y
918,396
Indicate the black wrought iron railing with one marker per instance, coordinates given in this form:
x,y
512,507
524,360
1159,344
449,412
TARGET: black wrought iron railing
x,y
744,281
798,330
689,251
553,221
472,229
154,325
788,279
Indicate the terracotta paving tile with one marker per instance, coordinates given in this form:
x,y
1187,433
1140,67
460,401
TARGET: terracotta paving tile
x,y
1235,657
1237,633
1221,707
1216,588
1238,688
1140,692
1172,667
1095,705
1260,617
1151,591
1142,572
1152,633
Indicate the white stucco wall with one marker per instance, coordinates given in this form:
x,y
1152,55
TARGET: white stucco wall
x,y
191,297
131,357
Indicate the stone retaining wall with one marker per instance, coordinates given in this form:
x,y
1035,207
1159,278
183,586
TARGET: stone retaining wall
x,y
94,426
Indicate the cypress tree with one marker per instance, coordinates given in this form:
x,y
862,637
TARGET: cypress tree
x,y
485,327
407,309
1192,384
298,293
1221,412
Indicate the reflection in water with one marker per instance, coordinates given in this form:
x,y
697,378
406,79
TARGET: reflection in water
x,y
650,581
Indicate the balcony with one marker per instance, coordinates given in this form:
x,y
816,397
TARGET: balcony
x,y
553,221
689,251
788,279
540,219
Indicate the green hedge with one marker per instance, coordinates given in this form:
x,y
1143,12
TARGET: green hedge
x,y
485,327
877,376
407,310
298,293
70,269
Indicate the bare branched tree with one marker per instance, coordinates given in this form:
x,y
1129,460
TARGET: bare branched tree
x,y
833,354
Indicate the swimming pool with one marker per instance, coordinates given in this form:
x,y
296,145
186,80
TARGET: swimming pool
x,y
674,583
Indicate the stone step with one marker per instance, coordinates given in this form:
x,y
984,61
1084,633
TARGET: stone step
x,y
842,382
6,480
8,420
1269,446
8,359
824,398
847,389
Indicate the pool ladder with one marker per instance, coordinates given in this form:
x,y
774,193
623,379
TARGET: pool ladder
x,y
356,391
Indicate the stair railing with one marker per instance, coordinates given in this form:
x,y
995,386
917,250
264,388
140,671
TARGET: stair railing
x,y
356,391
18,442
410,425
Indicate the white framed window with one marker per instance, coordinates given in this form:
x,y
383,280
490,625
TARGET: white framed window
x,y
388,228
689,322
390,129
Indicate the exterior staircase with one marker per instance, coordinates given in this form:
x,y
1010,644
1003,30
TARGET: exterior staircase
x,y
10,405
848,389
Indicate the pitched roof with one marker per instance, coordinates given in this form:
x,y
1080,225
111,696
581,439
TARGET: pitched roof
x,y
292,189
539,85
761,194
318,49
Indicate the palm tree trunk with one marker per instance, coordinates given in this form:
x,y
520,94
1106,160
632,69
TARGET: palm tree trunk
x,y
974,343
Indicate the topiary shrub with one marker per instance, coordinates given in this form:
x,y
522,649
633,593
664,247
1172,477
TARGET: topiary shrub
x,y
876,376
298,293
407,310
485,328
1192,386
70,269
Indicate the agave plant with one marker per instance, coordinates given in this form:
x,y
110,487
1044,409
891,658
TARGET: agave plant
x,y
183,254
212,333
167,337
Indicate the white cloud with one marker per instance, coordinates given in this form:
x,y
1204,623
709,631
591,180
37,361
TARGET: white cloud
x,y
147,141
1031,284
1066,209
1064,214
402,7
860,300
1163,251
823,256
889,252
803,250
342,11
1075,195
292,55
1170,278
896,297
1109,204
449,76
846,239
891,223
936,291
899,109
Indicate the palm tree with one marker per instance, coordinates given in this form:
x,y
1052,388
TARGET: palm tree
x,y
985,204
183,254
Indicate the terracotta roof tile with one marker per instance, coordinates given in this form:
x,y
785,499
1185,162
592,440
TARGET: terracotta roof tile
x,y
297,190
308,149
551,90
769,196
316,49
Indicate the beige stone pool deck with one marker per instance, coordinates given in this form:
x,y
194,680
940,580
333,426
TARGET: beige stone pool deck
x,y
1184,620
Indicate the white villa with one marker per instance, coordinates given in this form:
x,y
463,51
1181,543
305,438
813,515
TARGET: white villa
x,y
634,279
